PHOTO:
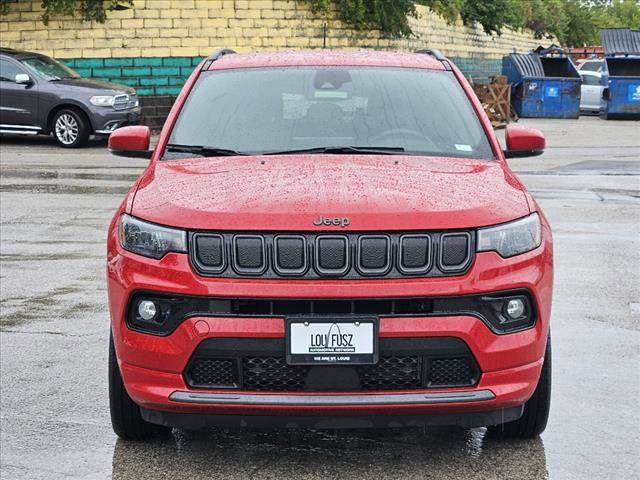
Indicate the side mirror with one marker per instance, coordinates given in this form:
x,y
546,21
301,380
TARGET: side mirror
x,y
523,142
131,141
23,78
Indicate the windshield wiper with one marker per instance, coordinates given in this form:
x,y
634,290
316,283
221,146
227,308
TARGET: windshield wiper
x,y
342,150
204,151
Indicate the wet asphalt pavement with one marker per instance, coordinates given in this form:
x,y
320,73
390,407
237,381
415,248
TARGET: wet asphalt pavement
x,y
54,419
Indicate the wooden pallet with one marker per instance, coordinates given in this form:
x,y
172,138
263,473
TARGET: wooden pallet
x,y
496,100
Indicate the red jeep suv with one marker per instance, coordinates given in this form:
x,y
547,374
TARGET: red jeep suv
x,y
328,239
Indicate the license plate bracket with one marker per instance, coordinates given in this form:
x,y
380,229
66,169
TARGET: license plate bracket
x,y
331,339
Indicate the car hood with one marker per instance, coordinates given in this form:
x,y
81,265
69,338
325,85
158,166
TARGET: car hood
x,y
92,84
289,192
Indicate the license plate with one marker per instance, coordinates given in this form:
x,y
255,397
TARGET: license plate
x,y
332,340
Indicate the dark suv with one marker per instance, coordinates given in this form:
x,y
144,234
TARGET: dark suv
x,y
40,95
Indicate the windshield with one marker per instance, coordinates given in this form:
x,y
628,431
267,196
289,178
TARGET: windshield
x,y
591,66
382,110
49,68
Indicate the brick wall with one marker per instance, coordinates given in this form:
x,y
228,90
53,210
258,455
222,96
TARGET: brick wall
x,y
191,28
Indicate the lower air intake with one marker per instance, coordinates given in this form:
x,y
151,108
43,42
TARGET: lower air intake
x,y
272,373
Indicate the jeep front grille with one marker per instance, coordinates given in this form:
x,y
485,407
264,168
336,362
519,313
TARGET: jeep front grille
x,y
332,255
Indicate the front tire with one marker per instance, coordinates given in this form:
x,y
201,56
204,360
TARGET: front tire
x,y
536,410
70,128
126,420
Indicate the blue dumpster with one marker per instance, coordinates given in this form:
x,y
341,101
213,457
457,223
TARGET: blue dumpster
x,y
621,73
543,86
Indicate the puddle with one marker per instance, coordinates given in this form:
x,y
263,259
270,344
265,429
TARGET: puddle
x,y
17,257
19,310
309,454
626,167
65,189
56,174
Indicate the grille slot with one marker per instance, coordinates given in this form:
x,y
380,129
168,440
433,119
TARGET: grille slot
x,y
451,372
272,373
290,255
249,254
374,255
213,373
210,251
322,255
392,373
415,254
455,251
332,255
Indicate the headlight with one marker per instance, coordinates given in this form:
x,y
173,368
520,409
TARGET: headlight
x,y
102,100
511,238
149,239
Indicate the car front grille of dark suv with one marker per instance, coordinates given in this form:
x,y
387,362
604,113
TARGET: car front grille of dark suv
x,y
260,365
333,255
125,101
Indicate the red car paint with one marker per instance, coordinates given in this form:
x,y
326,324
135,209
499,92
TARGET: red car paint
x,y
378,194
520,138
135,137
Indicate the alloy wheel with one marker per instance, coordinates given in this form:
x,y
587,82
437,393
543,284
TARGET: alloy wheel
x,y
67,128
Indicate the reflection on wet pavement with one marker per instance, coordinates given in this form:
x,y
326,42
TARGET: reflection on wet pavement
x,y
344,455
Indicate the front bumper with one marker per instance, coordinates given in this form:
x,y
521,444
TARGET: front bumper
x,y
195,421
152,366
105,121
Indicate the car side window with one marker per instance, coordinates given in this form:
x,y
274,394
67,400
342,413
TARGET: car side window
x,y
8,71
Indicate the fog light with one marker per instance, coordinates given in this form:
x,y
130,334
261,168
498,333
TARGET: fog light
x,y
147,310
515,308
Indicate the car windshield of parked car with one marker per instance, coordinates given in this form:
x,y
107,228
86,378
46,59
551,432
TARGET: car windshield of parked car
x,y
341,109
591,66
49,68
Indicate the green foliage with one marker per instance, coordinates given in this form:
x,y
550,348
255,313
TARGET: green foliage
x,y
573,22
84,9
388,16
546,18
450,10
585,19
492,15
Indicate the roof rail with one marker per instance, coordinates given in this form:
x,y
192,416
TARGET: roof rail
x,y
437,54
434,52
215,55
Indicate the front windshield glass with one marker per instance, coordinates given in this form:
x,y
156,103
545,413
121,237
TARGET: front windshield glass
x,y
270,110
49,68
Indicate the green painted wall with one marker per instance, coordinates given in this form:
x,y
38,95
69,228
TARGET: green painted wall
x,y
148,75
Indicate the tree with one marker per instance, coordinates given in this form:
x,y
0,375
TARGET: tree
x,y
492,15
85,9
572,22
